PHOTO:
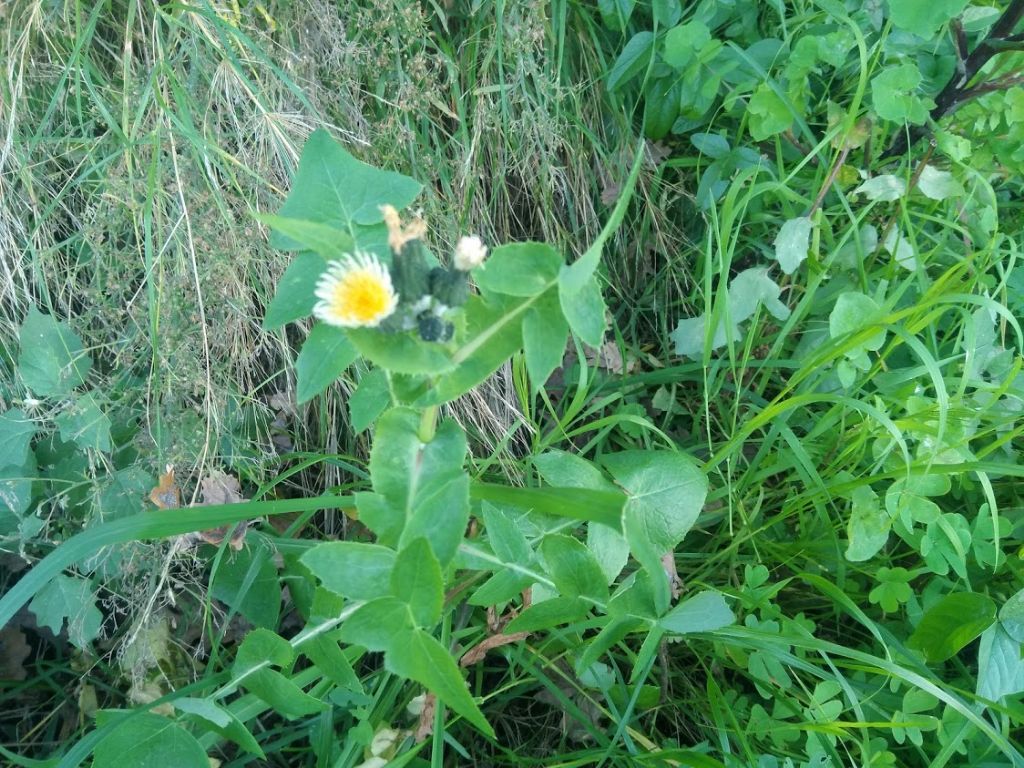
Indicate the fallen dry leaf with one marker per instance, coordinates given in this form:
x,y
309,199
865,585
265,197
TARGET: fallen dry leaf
x,y
13,652
166,495
479,651
610,358
220,488
426,723
668,562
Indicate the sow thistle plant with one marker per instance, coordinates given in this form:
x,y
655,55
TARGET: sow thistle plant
x,y
437,331
593,543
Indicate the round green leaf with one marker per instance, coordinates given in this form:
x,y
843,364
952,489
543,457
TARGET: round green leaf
x,y
952,623
144,740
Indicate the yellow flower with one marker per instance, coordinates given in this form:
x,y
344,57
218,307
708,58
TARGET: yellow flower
x,y
355,292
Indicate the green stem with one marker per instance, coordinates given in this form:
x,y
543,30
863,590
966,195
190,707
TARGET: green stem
x,y
428,424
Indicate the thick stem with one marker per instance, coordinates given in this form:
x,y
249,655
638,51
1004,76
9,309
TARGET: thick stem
x,y
428,424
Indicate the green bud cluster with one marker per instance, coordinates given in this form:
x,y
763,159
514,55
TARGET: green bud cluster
x,y
425,295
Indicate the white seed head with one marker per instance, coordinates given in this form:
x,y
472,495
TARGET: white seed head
x,y
469,253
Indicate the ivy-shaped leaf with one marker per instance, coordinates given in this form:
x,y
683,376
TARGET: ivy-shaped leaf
x,y
72,599
52,360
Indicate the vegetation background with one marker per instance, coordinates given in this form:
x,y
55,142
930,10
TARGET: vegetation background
x,y
792,153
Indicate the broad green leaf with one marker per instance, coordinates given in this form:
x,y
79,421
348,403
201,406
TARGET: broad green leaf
x,y
714,145
263,646
924,17
869,525
610,548
573,568
416,580
894,94
606,543
501,587
584,309
505,536
123,492
259,649
666,12
145,740
704,612
1000,666
369,400
938,185
769,114
666,493
883,188
901,249
493,334
378,624
327,241
17,468
284,696
400,352
683,42
633,59
324,357
615,13
353,569
691,333
791,245
519,269
951,624
568,470
16,432
221,721
71,598
544,335
296,291
16,494
247,581
424,483
549,613
333,188
634,598
326,654
85,424
52,361
854,312
1011,616
751,288
420,657
661,105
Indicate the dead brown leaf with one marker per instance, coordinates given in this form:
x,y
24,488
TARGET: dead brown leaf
x,y
166,495
610,358
13,653
220,488
426,723
668,562
477,653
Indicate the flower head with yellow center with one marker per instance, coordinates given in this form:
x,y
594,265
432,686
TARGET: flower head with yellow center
x,y
355,292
